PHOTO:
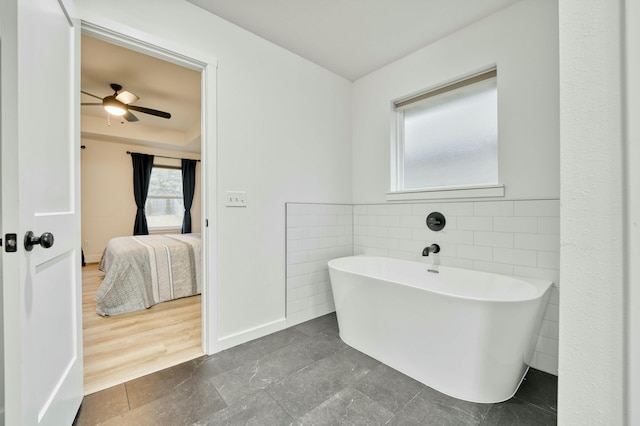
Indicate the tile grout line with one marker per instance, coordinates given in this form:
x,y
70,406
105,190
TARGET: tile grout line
x,y
295,420
404,406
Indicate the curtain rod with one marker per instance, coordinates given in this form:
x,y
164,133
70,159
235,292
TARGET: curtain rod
x,y
162,156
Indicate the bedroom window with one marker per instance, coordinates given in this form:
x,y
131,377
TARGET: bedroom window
x,y
447,139
165,206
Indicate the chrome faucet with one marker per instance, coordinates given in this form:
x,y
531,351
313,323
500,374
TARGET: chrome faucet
x,y
433,248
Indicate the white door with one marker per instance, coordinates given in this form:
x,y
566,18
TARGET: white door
x,y
39,149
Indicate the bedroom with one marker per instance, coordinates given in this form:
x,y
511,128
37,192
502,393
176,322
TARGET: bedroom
x,y
170,332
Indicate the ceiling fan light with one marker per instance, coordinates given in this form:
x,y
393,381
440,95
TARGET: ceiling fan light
x,y
113,106
114,110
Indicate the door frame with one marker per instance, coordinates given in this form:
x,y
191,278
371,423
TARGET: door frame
x,y
631,99
135,40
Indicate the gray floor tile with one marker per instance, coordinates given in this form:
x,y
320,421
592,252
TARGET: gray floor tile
x,y
306,389
332,331
303,374
252,377
390,388
347,407
255,375
322,345
258,348
356,357
102,406
431,407
153,386
187,403
327,323
257,410
541,389
212,365
518,412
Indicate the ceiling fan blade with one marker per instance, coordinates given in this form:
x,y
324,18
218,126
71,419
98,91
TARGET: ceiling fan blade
x,y
126,97
87,93
130,117
90,103
150,111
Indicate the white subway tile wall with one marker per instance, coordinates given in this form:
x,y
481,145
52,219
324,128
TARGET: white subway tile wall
x,y
316,233
508,237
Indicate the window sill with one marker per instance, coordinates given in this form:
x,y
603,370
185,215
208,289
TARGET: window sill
x,y
447,193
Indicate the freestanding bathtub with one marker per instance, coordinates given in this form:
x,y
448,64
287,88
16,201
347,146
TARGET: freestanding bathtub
x,y
468,334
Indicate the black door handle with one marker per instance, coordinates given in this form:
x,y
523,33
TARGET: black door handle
x,y
30,240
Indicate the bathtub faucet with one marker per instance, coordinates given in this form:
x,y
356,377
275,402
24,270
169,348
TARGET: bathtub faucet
x,y
433,248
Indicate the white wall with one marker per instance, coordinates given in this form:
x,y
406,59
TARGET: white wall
x,y
283,135
108,205
591,372
523,41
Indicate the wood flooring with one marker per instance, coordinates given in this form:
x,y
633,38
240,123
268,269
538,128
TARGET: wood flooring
x,y
127,346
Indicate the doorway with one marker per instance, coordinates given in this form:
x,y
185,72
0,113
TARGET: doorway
x,y
120,138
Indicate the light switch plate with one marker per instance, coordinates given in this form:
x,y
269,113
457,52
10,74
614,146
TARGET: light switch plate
x,y
236,198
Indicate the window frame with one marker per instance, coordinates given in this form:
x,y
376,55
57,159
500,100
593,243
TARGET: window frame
x,y
398,106
160,229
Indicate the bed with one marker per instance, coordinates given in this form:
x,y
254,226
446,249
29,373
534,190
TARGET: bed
x,y
143,270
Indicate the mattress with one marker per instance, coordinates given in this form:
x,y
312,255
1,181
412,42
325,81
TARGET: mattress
x,y
144,270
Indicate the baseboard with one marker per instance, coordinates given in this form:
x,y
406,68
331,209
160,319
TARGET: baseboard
x,y
92,258
250,334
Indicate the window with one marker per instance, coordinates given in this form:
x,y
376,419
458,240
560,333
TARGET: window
x,y
165,206
447,138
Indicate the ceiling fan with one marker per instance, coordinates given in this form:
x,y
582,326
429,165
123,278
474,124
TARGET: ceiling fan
x,y
120,103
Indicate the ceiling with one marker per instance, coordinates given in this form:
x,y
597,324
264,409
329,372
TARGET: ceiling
x,y
352,37
159,84
349,37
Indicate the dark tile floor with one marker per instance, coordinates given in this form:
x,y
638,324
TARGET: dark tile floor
x,y
304,375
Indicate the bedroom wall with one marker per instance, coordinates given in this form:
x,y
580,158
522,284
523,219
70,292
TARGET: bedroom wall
x,y
108,206
283,135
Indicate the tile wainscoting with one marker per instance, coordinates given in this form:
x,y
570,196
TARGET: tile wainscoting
x,y
316,233
508,237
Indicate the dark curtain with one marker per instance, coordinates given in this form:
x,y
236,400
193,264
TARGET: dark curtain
x,y
188,188
142,166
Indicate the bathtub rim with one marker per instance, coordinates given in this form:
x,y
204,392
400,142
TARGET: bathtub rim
x,y
542,286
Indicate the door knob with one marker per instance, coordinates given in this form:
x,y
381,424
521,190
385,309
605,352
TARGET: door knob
x,y
30,240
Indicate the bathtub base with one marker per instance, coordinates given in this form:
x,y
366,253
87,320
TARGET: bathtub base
x,y
474,350
444,391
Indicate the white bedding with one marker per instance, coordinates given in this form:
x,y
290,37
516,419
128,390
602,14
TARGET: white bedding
x,y
143,270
